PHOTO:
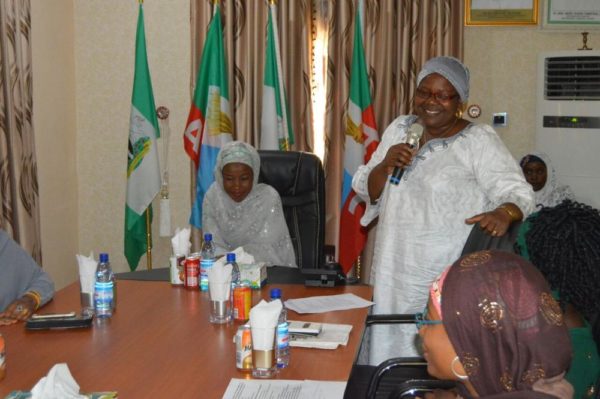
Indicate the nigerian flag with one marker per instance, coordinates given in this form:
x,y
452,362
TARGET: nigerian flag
x,y
143,173
276,128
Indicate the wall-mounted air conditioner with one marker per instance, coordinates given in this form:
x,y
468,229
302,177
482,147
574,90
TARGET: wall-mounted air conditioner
x,y
568,119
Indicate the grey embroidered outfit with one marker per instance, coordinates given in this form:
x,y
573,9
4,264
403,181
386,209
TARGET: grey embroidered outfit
x,y
256,223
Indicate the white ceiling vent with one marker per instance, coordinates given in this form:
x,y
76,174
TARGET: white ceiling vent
x,y
572,78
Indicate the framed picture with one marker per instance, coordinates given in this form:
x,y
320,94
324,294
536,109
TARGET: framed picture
x,y
577,15
501,12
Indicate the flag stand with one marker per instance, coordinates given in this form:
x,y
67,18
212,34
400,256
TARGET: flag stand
x,y
148,241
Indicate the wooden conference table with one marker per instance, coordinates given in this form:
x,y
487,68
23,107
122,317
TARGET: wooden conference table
x,y
160,344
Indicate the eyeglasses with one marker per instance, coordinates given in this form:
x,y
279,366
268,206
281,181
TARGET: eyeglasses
x,y
422,320
439,96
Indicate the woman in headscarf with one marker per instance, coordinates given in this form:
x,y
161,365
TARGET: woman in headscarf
x,y
240,212
492,325
562,242
460,174
540,173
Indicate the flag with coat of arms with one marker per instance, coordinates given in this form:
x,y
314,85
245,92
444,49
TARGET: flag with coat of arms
x,y
209,124
143,172
360,143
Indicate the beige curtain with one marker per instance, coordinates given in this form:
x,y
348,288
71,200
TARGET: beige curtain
x,y
18,169
399,36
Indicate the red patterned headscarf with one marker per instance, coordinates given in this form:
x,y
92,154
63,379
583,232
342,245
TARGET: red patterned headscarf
x,y
505,326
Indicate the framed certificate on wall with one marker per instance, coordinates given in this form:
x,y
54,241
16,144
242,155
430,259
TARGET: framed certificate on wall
x,y
574,15
501,12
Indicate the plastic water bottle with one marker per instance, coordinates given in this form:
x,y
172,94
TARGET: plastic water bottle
x,y
235,275
282,352
207,253
235,271
104,288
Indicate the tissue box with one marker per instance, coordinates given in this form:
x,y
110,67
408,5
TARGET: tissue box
x,y
254,274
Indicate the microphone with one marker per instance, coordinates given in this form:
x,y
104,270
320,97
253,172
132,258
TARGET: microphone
x,y
415,131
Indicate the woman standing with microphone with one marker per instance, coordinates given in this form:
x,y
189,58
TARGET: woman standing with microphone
x,y
459,174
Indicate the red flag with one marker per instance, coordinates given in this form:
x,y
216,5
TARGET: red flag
x,y
361,141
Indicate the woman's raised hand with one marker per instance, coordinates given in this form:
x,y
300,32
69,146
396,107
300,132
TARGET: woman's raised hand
x,y
398,155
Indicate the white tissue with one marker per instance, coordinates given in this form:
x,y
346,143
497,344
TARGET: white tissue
x,y
263,321
241,257
219,282
181,241
58,384
87,271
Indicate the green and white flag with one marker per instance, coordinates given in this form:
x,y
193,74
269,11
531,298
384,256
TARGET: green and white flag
x,y
276,128
143,172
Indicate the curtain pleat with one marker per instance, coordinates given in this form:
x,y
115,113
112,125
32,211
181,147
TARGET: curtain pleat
x,y
18,169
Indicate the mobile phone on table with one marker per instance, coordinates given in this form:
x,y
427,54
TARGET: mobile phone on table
x,y
48,316
58,321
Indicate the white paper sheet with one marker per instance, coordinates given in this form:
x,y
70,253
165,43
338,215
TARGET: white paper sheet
x,y
327,303
331,336
289,389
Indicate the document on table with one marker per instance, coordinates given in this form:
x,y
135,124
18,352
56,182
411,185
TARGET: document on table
x,y
288,389
330,337
327,303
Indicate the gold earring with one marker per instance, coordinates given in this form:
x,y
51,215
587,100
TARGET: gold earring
x,y
460,111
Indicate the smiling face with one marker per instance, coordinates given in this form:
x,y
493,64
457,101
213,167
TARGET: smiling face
x,y
536,174
436,103
437,348
237,180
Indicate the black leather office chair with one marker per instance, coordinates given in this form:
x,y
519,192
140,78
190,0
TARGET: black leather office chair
x,y
299,179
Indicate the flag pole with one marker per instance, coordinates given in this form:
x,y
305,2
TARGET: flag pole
x,y
148,238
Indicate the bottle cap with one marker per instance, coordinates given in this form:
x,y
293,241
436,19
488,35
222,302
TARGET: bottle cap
x,y
103,257
207,237
230,257
275,293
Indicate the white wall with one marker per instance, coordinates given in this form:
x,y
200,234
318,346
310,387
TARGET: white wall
x,y
83,57
54,122
503,62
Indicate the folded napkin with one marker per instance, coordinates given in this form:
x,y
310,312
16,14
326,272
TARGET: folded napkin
x,y
241,257
58,384
263,321
219,282
87,272
181,241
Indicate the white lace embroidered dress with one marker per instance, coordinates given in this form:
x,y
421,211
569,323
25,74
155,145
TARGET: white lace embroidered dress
x,y
422,228
257,223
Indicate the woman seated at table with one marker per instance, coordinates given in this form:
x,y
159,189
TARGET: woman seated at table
x,y
540,173
492,325
240,212
24,286
562,242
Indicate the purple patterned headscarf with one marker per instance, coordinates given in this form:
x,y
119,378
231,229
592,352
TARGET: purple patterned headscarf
x,y
506,328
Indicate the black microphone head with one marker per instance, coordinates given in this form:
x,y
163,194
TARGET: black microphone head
x,y
415,131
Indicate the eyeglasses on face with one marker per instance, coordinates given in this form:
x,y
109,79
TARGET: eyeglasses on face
x,y
439,96
422,320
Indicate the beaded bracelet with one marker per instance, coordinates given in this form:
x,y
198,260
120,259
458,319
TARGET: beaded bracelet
x,y
36,298
512,214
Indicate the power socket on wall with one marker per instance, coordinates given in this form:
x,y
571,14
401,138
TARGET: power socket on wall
x,y
500,119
